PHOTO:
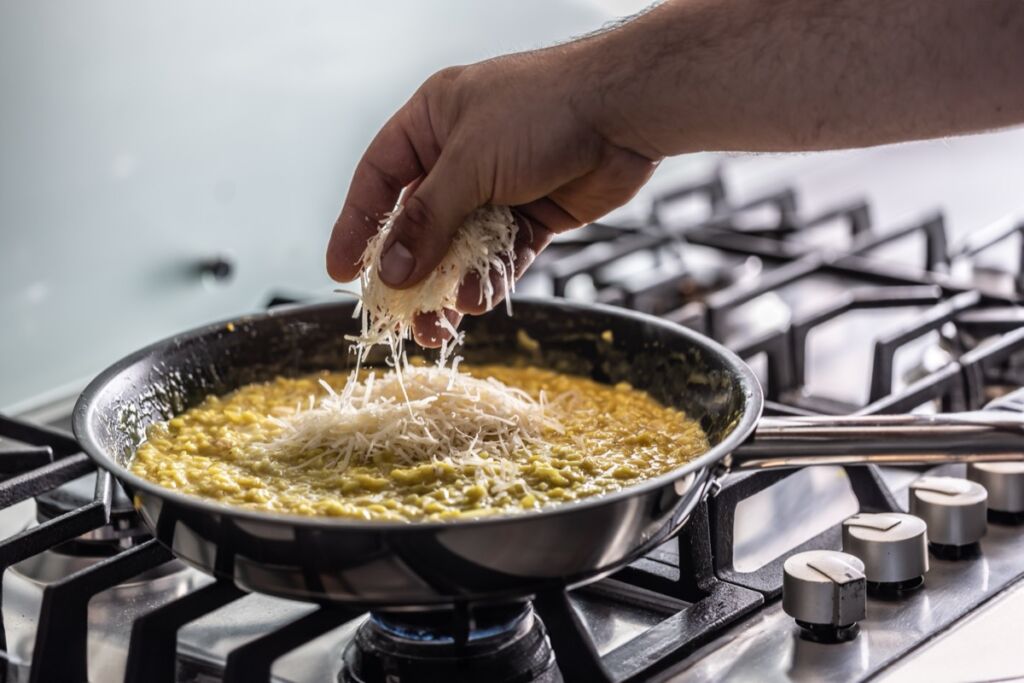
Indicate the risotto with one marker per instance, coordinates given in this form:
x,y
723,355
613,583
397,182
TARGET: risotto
x,y
606,438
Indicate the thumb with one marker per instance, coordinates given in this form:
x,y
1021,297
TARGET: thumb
x,y
428,222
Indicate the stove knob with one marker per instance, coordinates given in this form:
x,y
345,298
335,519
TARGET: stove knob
x,y
824,591
893,547
1004,482
954,510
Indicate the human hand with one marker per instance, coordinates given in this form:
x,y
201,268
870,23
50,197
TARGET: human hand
x,y
520,130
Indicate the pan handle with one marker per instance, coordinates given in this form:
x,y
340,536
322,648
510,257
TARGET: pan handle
x,y
789,442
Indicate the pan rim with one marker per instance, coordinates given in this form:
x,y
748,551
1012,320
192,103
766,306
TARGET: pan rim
x,y
86,405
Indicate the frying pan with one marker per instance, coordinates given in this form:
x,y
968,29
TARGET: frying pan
x,y
425,563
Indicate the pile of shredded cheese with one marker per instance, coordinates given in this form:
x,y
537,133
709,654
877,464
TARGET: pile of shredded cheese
x,y
483,244
416,414
423,414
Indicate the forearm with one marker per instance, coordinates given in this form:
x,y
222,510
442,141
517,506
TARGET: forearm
x,y
803,75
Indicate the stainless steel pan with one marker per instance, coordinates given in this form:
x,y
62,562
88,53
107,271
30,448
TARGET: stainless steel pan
x,y
410,564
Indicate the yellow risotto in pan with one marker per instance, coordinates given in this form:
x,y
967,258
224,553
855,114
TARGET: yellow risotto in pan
x,y
427,444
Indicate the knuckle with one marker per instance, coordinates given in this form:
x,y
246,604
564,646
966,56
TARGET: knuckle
x,y
457,88
443,78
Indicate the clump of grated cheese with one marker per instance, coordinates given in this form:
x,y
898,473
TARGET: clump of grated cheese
x,y
483,243
421,415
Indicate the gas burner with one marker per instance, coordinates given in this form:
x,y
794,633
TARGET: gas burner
x,y
893,547
705,275
503,644
932,359
124,530
671,287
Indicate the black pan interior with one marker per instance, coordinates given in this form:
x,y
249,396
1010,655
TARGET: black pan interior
x,y
677,367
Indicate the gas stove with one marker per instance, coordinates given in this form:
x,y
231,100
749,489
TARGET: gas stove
x,y
837,315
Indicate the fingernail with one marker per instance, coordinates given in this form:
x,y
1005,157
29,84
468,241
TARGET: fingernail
x,y
395,264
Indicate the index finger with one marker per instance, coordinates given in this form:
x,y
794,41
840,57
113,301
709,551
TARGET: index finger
x,y
388,165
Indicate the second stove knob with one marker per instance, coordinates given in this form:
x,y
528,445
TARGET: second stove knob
x,y
954,510
893,547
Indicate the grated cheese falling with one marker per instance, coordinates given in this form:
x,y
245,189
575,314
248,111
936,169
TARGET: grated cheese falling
x,y
425,415
484,243
413,414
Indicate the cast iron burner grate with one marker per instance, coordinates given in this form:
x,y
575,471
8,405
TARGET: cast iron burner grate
x,y
769,243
